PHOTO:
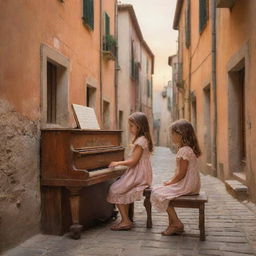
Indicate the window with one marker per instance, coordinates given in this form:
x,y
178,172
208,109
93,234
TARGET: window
x,y
51,92
187,24
88,13
132,60
120,123
109,41
106,115
148,88
54,86
107,24
90,96
203,14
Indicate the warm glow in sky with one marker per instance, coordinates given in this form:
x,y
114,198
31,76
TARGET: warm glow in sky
x,y
155,18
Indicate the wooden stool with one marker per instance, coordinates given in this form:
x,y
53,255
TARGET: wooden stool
x,y
147,205
193,201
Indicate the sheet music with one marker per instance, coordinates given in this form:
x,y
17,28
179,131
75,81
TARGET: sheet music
x,y
85,117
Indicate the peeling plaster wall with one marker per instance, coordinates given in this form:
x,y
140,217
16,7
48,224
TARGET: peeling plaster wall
x,y
19,176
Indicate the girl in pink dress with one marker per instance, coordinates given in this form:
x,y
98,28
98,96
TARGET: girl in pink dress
x,y
186,180
138,176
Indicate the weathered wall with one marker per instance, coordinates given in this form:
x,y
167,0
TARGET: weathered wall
x,y
26,26
236,40
239,27
19,176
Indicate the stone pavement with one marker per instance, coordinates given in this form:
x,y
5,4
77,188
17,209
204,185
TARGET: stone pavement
x,y
230,228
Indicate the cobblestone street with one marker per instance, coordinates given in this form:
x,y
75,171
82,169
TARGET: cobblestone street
x,y
230,228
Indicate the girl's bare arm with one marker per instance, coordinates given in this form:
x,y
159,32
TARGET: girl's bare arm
x,y
180,174
136,155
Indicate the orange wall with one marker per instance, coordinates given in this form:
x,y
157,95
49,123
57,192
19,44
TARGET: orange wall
x,y
236,35
28,24
109,66
237,30
199,54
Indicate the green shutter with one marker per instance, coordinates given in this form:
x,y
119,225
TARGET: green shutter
x,y
107,24
88,13
203,14
187,26
148,89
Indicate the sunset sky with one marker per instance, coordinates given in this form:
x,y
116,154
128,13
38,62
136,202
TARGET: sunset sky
x,y
155,18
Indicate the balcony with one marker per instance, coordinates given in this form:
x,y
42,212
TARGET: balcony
x,y
225,3
109,47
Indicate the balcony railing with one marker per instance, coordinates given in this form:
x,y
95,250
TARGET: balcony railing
x,y
109,47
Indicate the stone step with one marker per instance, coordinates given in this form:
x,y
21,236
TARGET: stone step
x,y
237,189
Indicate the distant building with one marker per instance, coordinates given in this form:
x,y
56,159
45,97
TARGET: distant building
x,y
136,67
166,118
175,96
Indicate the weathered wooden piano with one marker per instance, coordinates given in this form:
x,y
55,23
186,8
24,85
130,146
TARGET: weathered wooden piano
x,y
75,178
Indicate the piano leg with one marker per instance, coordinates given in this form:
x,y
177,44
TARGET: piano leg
x,y
74,199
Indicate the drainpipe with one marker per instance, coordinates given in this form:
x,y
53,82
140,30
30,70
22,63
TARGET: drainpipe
x,y
214,90
116,65
189,86
101,103
190,74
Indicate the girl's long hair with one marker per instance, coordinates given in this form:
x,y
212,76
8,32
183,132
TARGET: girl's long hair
x,y
188,136
141,121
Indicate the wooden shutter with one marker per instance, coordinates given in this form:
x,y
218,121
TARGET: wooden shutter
x,y
148,89
88,13
107,24
51,93
203,14
187,26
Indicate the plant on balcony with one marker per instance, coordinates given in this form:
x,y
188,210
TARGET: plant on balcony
x,y
109,47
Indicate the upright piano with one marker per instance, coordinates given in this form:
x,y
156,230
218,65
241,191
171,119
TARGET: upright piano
x,y
75,178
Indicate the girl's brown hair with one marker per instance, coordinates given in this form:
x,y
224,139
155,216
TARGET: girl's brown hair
x,y
188,136
141,121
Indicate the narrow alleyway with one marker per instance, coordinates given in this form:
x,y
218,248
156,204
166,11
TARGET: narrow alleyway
x,y
230,228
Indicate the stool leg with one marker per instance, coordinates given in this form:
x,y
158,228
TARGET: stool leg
x,y
148,207
131,211
201,222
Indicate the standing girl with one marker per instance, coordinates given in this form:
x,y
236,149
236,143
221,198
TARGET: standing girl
x,y
138,176
186,180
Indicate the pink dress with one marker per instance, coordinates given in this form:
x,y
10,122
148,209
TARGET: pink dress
x,y
130,186
189,185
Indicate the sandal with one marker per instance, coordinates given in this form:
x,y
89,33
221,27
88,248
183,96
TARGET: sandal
x,y
120,227
173,230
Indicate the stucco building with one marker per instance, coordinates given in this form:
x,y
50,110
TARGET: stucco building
x,y
135,70
216,85
53,53
166,117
